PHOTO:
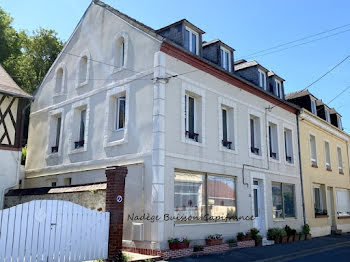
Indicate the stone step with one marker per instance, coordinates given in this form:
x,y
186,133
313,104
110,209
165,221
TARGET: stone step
x,y
337,232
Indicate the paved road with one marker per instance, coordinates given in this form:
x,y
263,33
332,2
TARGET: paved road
x,y
317,249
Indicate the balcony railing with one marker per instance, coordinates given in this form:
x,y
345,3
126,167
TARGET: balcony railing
x,y
54,149
289,159
192,135
227,144
255,150
273,155
78,144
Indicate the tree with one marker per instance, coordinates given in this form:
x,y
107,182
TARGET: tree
x,y
27,58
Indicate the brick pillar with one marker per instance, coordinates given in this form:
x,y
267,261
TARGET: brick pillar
x,y
115,205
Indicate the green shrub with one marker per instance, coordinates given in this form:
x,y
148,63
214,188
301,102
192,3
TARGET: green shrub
x,y
24,155
306,229
240,236
254,233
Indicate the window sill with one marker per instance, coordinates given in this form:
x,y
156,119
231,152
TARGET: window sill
x,y
344,217
82,84
314,165
52,155
284,219
274,160
78,150
116,143
289,164
341,172
321,216
192,142
329,169
226,150
119,69
252,155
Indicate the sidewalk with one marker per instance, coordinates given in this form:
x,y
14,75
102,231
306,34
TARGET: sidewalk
x,y
277,252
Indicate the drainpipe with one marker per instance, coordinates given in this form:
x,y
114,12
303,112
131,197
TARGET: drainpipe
x,y
300,167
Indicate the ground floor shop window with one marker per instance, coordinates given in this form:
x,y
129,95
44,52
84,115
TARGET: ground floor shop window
x,y
343,202
204,195
283,200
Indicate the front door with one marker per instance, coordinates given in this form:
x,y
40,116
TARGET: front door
x,y
257,205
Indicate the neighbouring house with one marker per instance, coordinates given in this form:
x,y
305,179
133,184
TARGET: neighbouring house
x,y
196,137
324,148
12,102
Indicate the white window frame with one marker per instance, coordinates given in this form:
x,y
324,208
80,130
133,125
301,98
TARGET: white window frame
x,y
200,92
322,196
87,76
192,32
313,107
278,84
274,122
340,161
294,157
262,82
112,95
115,52
327,164
327,115
312,160
259,115
52,129
225,50
340,124
224,103
85,103
63,83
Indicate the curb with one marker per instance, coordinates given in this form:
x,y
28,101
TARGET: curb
x,y
304,253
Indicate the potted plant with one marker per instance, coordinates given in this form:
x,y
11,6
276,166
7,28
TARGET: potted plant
x,y
232,242
256,237
273,234
178,243
306,232
290,233
283,234
198,248
240,236
212,240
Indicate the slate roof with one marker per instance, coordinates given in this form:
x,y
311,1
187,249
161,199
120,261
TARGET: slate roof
x,y
9,86
180,22
301,93
216,41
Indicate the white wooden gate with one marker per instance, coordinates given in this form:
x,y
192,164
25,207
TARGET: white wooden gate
x,y
52,230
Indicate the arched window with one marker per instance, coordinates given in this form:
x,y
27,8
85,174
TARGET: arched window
x,y
120,52
59,80
83,66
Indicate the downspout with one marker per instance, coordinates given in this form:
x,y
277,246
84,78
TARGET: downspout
x,y
300,167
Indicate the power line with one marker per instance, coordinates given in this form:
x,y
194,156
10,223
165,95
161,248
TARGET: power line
x,y
297,40
322,76
304,43
343,91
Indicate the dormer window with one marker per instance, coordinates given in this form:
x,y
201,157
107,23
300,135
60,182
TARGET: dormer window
x,y
313,107
340,126
328,117
278,89
262,79
191,40
225,58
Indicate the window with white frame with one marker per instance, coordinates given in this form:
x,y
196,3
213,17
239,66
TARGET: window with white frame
x,y
328,118
288,145
200,194
273,141
59,81
313,107
278,90
283,200
255,136
225,59
120,52
115,127
120,113
193,116
313,151
262,79
327,155
319,195
227,123
340,126
343,202
191,40
80,126
55,132
340,160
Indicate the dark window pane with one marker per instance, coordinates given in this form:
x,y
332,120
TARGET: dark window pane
x,y
121,113
191,114
187,39
252,129
58,131
288,197
194,44
82,124
256,206
224,124
277,200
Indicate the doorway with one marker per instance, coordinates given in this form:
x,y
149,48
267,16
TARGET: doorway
x,y
257,205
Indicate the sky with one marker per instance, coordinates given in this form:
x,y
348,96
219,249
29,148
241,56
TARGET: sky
x,y
247,26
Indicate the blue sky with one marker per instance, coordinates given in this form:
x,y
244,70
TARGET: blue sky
x,y
247,26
